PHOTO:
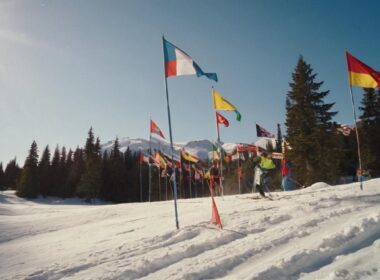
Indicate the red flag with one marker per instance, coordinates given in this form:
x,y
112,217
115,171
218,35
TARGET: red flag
x,y
222,120
155,129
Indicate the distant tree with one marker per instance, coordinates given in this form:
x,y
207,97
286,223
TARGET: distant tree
x,y
310,131
91,180
369,129
2,177
55,173
131,162
75,171
63,172
97,147
279,139
89,148
28,185
116,177
12,174
44,171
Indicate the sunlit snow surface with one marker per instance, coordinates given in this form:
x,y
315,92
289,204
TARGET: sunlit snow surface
x,y
321,232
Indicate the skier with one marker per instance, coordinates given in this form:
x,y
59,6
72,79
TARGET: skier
x,y
263,170
285,172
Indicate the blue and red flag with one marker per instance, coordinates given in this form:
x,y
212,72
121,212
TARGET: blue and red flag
x,y
178,63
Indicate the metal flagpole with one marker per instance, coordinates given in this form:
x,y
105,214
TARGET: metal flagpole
x,y
171,142
166,184
357,139
159,183
191,193
149,165
356,128
238,169
140,177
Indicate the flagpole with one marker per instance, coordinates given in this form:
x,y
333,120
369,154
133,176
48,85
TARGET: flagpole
x,y
356,127
191,194
159,183
219,148
238,169
140,177
357,139
149,165
171,141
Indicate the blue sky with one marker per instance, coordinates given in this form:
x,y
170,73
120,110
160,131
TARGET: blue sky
x,y
67,65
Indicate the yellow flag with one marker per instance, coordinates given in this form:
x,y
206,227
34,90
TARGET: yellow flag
x,y
222,104
189,157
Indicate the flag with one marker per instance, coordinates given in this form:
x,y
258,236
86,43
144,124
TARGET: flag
x,y
187,156
218,149
222,120
222,104
345,129
360,74
144,158
160,160
246,148
262,132
178,63
155,129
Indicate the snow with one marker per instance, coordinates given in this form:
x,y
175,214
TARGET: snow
x,y
320,232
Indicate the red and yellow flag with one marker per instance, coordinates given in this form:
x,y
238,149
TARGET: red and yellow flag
x,y
360,74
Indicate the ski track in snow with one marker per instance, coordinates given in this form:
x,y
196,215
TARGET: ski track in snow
x,y
322,232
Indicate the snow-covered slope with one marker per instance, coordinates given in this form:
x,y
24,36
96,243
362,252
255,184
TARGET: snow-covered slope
x,y
322,232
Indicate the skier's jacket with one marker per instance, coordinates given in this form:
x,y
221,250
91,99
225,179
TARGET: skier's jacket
x,y
267,163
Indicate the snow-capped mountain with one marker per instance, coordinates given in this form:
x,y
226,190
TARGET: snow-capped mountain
x,y
200,148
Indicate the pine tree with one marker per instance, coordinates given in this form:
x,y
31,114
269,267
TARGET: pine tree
x,y
75,171
2,177
89,147
369,129
309,128
28,185
62,173
131,162
56,181
12,174
117,184
90,182
44,171
279,139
